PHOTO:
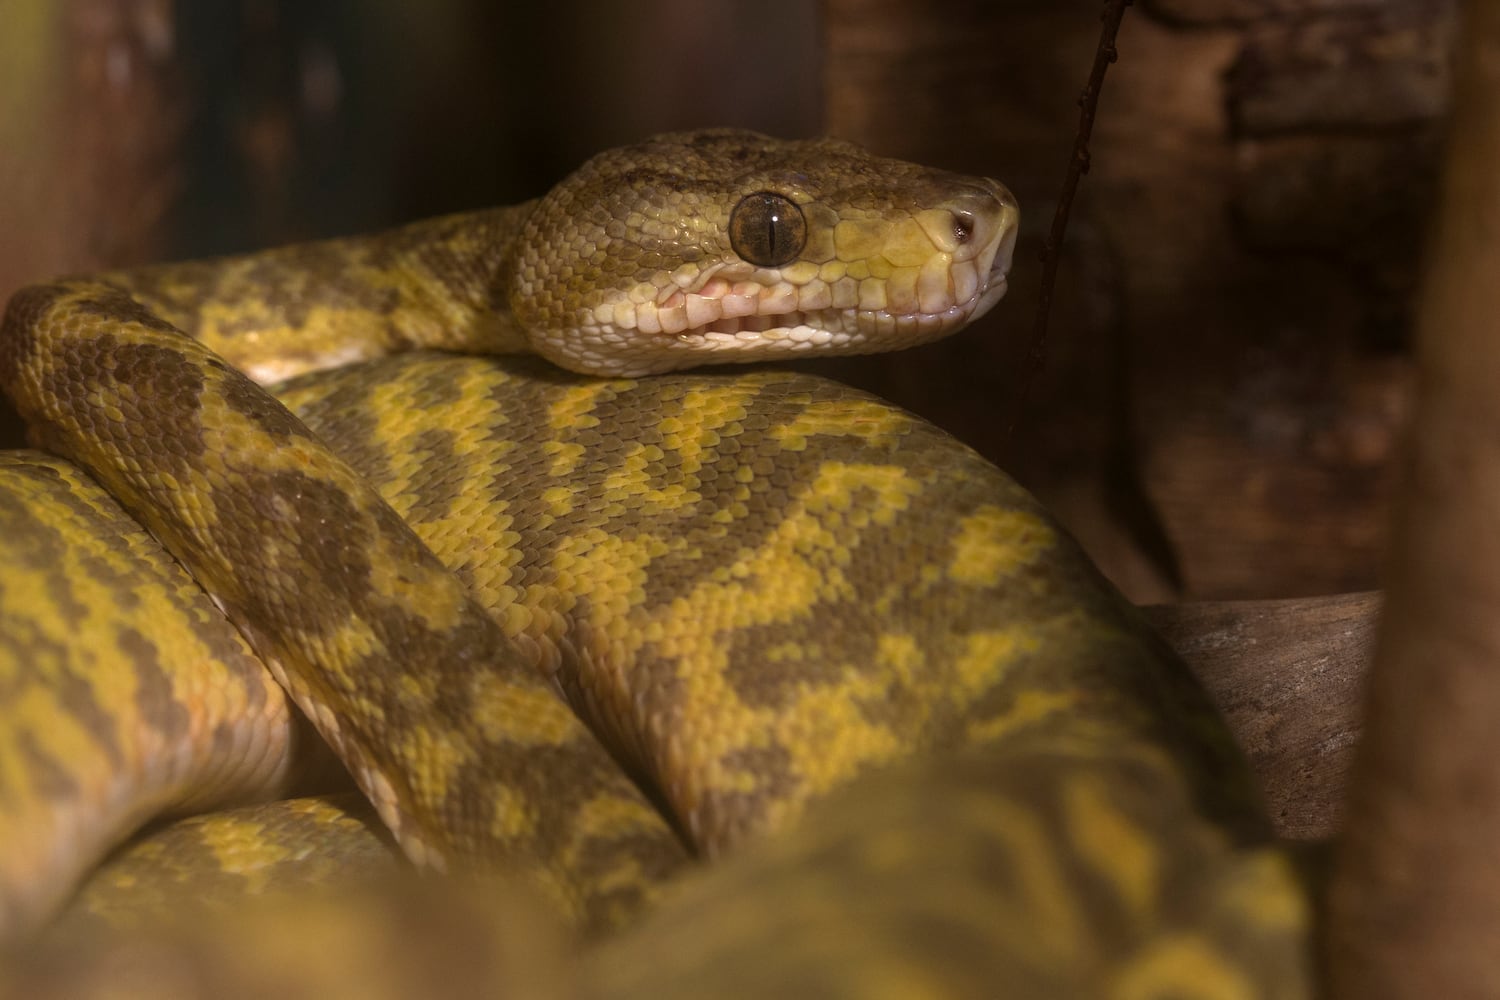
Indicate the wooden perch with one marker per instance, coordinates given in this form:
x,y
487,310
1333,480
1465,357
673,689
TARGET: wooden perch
x,y
1415,902
1288,676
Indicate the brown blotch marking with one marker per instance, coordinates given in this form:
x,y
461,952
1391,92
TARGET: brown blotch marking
x,y
224,737
1038,784
251,401
24,644
154,696
47,777
114,304
271,289
103,522
345,420
442,249
334,575
656,862
227,648
634,415
735,813
267,277
331,273
126,596
570,679
833,634
647,178
19,329
440,471
40,547
61,592
557,782
622,732
450,660
167,388
832,639
42,478
553,780
471,646
521,388
161,288
436,384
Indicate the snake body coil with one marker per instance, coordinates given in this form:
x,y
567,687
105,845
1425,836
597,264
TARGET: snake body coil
x,y
779,613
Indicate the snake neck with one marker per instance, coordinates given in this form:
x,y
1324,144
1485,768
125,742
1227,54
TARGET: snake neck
x,y
436,284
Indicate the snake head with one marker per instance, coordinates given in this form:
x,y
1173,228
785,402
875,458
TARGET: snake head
x,y
721,246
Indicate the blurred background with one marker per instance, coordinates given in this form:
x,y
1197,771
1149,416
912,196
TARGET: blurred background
x,y
1226,374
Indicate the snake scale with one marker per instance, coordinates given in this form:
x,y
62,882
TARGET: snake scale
x,y
577,624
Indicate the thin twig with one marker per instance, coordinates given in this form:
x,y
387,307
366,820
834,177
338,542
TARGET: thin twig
x,y
1088,102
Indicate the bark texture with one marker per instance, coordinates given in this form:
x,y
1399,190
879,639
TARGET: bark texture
x,y
1415,904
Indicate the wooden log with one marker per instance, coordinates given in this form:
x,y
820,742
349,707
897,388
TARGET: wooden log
x,y
1288,676
1415,901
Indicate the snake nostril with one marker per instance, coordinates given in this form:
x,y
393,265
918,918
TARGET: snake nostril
x,y
963,227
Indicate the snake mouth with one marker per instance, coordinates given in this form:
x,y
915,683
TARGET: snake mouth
x,y
804,330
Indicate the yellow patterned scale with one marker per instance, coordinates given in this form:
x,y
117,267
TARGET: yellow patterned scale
x,y
575,634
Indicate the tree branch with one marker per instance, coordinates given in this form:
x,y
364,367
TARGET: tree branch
x,y
1088,103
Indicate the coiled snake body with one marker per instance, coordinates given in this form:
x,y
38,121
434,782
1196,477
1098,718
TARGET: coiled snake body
x,y
794,629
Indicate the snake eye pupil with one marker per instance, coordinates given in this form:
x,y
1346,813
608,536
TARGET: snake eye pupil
x,y
767,229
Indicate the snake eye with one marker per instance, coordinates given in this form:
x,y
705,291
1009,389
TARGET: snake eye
x,y
767,229
963,227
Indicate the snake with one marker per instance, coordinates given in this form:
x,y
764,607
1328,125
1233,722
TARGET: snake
x,y
666,678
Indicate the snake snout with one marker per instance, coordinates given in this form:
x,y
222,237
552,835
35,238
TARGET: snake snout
x,y
1006,224
982,217
978,234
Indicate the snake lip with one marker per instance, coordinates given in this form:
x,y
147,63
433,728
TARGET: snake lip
x,y
806,329
997,282
1004,255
